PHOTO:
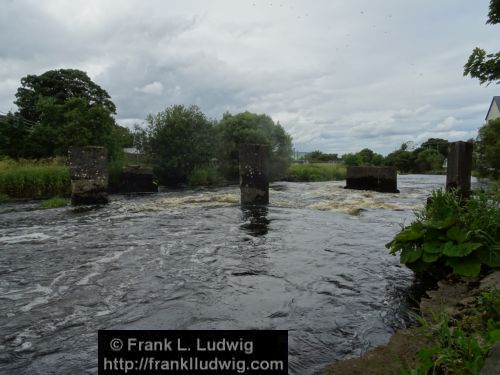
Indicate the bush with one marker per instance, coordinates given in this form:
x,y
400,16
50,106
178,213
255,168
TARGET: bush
x,y
206,176
315,172
450,233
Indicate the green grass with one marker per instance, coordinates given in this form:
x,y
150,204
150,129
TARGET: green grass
x,y
54,202
35,180
315,172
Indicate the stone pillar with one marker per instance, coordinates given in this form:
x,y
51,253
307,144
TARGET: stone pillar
x,y
89,175
254,174
381,179
459,167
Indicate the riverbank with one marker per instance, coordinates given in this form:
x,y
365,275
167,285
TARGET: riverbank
x,y
459,304
34,179
31,179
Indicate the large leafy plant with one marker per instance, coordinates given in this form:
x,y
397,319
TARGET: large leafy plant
x,y
449,232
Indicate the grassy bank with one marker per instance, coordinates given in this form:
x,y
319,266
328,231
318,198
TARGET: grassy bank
x,y
315,172
35,180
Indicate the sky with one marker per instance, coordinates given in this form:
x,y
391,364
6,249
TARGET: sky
x,y
338,75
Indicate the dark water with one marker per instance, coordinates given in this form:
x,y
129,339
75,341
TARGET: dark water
x,y
313,263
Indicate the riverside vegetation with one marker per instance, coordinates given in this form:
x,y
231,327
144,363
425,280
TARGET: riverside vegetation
x,y
451,236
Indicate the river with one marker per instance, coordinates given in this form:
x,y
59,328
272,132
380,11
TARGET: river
x,y
313,263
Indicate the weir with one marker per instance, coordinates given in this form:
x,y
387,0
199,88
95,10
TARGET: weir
x,y
381,179
254,174
89,175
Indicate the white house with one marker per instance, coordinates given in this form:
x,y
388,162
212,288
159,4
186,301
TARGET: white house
x,y
494,111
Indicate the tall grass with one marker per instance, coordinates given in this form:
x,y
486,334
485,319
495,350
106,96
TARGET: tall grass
x,y
315,172
34,179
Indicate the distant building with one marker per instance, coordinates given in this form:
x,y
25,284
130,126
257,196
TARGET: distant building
x,y
131,150
494,111
298,155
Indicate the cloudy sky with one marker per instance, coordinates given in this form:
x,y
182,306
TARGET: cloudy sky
x,y
338,75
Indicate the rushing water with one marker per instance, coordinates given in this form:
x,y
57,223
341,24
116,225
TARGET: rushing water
x,y
313,262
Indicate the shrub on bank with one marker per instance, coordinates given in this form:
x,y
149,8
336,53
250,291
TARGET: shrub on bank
x,y
26,179
315,172
204,176
451,234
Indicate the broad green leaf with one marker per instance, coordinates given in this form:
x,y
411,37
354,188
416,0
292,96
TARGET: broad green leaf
x,y
456,234
444,223
489,255
461,250
433,247
494,335
410,254
410,234
430,257
468,266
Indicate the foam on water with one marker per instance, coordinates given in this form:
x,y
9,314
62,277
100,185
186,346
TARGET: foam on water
x,y
195,259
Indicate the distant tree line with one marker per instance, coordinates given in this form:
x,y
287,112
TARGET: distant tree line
x,y
185,145
63,108
428,157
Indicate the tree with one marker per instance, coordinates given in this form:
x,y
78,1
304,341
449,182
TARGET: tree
x,y
438,144
60,85
178,140
429,160
64,108
483,66
13,132
352,159
247,127
320,157
488,149
401,159
366,156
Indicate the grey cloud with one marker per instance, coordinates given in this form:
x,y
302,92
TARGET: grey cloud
x,y
337,79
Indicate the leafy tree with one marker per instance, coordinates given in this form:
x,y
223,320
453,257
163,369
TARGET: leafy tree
x,y
247,127
378,159
178,140
59,109
320,157
352,159
488,149
366,156
438,144
401,159
13,132
483,66
363,157
60,85
428,161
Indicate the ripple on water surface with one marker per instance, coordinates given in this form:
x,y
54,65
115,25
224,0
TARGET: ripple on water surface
x,y
313,262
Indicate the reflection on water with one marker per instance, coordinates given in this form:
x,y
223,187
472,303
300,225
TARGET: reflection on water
x,y
255,221
312,262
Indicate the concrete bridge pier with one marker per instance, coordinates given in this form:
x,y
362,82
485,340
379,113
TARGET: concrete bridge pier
x,y
254,174
89,175
381,179
459,167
